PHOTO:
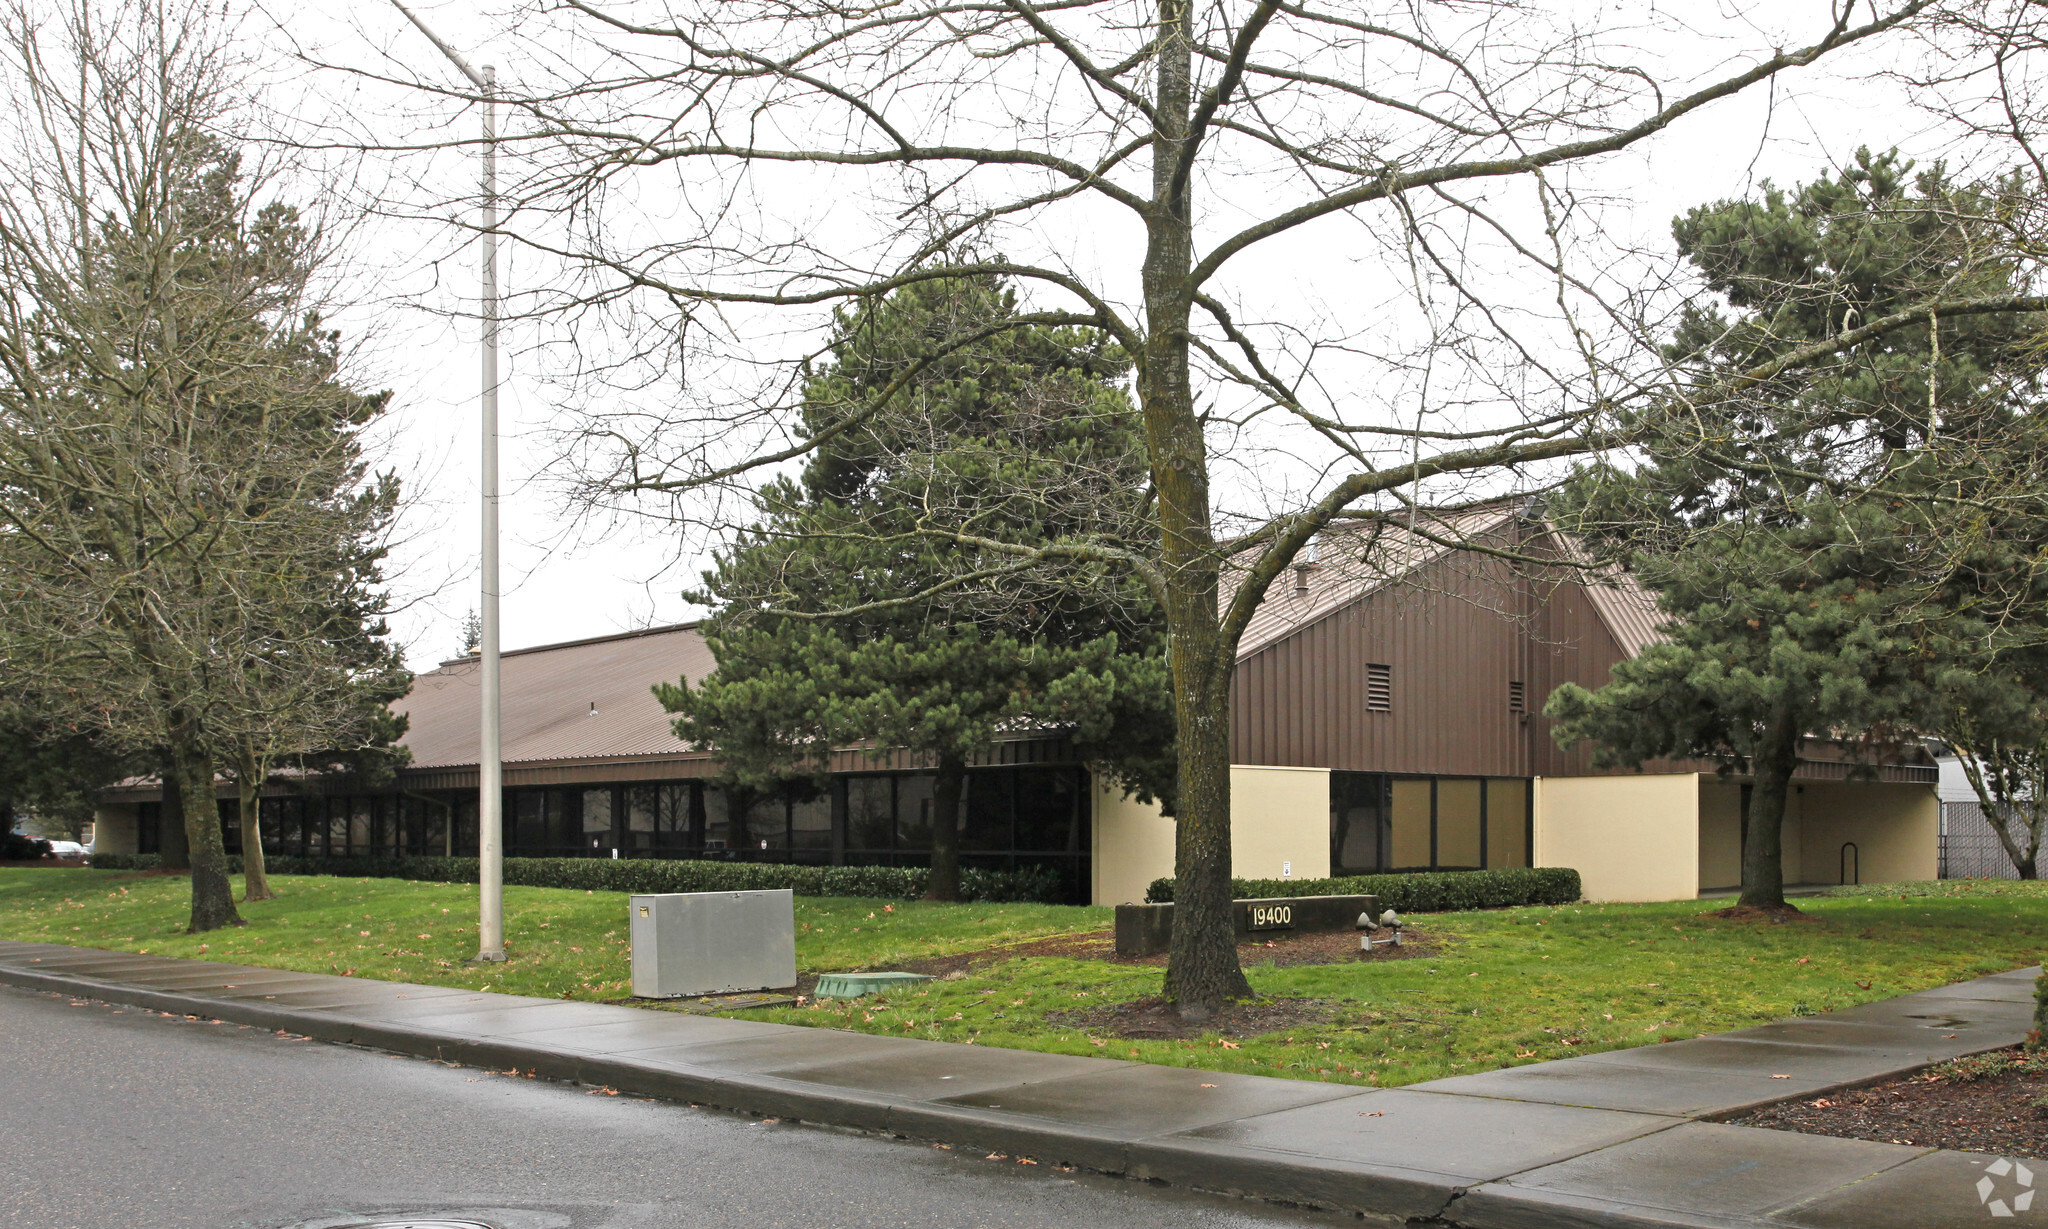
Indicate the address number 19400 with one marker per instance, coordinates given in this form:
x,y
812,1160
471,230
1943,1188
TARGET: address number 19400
x,y
1271,917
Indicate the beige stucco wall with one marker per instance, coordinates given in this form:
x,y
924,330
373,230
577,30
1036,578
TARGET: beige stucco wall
x,y
1279,822
1132,846
1279,818
113,827
1896,830
1720,833
1629,837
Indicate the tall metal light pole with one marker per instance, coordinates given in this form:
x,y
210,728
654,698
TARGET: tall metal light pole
x,y
490,803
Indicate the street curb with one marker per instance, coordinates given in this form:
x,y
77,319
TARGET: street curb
x,y
1302,1181
1166,1155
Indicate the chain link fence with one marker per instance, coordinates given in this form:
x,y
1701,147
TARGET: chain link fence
x,y
1970,848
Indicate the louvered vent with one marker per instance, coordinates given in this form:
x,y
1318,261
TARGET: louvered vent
x,y
1518,697
1379,687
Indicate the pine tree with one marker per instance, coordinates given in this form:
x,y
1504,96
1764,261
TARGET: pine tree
x,y
1795,534
873,637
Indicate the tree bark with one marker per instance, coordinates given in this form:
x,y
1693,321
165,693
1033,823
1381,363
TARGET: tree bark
x,y
1763,861
1202,970
249,776
172,854
213,895
944,883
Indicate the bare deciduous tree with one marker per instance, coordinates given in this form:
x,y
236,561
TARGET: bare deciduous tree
x,y
1341,244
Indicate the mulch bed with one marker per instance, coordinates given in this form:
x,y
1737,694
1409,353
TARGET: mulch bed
x,y
1336,947
1756,913
1994,1113
1156,1019
1151,1017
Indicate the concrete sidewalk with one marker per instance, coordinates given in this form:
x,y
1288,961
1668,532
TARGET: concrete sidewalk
x,y
1612,1139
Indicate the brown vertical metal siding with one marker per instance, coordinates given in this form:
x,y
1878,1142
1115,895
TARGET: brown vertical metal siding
x,y
1571,644
1455,632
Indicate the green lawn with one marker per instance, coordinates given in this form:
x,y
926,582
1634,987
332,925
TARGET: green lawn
x,y
559,943
1508,986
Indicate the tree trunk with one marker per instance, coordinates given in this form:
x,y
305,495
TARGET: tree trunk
x,y
213,896
944,883
739,807
2014,801
172,853
1202,970
249,787
1763,862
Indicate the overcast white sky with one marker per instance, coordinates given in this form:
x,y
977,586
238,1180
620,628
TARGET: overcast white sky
x,y
561,583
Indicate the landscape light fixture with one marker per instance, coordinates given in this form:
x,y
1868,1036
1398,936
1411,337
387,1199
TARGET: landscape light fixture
x,y
1389,921
490,802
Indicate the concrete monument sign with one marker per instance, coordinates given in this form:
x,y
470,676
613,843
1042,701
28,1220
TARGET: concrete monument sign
x,y
1142,930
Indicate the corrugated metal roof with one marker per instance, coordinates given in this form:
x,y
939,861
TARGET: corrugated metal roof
x,y
549,690
1355,561
1352,562
548,694
1627,608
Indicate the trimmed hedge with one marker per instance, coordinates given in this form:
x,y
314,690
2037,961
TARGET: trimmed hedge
x,y
1420,891
656,875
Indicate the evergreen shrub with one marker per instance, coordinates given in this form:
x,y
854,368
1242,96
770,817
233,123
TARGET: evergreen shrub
x,y
1038,884
1418,891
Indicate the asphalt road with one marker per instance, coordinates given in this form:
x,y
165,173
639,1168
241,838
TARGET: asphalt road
x,y
114,1117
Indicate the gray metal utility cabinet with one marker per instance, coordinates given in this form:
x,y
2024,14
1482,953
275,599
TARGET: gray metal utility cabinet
x,y
690,943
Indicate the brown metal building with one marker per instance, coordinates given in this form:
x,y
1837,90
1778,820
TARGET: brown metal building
x,y
1401,680
1386,716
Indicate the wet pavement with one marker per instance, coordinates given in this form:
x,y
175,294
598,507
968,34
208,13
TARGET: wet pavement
x,y
1611,1139
116,1116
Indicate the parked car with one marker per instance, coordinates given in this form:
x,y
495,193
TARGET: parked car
x,y
68,849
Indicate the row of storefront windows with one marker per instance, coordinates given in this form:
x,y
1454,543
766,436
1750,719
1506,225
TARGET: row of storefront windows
x,y
1381,822
1009,816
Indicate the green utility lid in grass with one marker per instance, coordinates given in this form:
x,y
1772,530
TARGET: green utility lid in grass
x,y
854,985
